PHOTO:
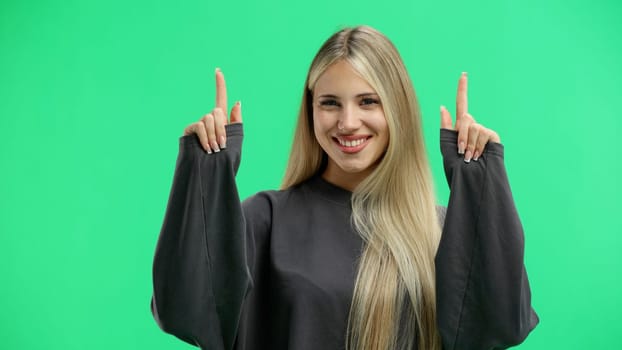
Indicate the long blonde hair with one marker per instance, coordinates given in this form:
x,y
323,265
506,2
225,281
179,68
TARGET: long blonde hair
x,y
393,209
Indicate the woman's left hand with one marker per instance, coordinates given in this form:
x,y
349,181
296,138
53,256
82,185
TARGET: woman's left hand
x,y
472,137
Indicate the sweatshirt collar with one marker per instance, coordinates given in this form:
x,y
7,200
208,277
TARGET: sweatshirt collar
x,y
329,191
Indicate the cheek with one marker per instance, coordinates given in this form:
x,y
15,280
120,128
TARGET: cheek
x,y
316,125
318,130
379,123
321,123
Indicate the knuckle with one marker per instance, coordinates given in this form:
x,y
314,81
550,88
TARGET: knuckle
x,y
189,129
472,142
208,123
221,130
219,115
194,127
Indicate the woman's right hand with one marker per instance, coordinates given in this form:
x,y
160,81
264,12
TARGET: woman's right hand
x,y
211,128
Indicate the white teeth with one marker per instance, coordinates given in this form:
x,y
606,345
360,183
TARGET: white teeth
x,y
349,143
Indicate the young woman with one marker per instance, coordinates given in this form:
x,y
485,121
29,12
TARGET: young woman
x,y
352,252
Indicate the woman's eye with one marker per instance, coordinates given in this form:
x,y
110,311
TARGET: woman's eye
x,y
328,103
369,101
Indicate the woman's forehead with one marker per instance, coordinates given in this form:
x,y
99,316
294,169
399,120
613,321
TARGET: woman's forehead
x,y
341,80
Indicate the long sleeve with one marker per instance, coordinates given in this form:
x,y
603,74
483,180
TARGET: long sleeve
x,y
200,272
483,294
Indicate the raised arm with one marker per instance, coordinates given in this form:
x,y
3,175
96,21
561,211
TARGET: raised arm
x,y
200,272
483,294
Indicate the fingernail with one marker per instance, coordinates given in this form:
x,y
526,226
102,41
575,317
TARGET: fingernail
x,y
217,70
461,147
215,147
240,104
467,156
223,144
464,73
476,156
442,107
208,149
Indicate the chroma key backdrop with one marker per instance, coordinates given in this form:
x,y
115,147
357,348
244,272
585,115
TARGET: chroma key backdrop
x,y
95,94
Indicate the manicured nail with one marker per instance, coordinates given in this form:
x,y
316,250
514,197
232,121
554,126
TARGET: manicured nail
x,y
467,156
461,147
464,73
223,144
215,147
476,156
217,70
442,107
208,149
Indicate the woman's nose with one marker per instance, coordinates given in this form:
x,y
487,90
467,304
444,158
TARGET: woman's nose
x,y
349,119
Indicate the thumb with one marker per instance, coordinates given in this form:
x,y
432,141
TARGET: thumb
x,y
445,119
236,113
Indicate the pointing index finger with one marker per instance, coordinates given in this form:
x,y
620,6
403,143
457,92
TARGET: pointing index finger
x,y
462,107
221,91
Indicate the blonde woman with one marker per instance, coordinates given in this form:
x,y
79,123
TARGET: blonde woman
x,y
352,252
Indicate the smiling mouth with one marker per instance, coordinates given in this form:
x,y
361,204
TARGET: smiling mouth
x,y
351,146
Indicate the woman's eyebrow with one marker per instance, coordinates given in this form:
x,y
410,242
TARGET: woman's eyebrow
x,y
328,95
359,95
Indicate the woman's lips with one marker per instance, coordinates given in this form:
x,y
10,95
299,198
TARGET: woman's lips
x,y
351,144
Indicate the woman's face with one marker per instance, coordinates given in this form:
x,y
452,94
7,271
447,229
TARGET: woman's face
x,y
349,124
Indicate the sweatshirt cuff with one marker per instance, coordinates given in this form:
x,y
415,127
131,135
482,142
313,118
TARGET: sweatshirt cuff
x,y
235,132
449,145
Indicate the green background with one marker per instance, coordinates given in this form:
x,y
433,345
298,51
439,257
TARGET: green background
x,y
94,95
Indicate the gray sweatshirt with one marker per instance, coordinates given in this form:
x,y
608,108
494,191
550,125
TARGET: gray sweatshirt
x,y
277,271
